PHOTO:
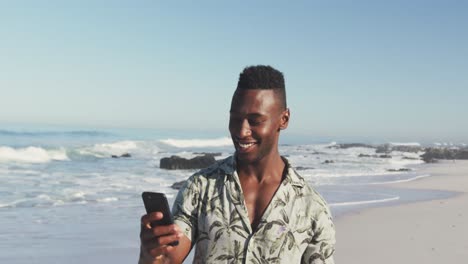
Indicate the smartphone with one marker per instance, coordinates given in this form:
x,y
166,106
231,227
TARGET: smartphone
x,y
157,202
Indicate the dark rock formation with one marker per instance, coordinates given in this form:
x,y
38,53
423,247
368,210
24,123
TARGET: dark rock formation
x,y
433,154
387,148
179,163
396,170
328,161
462,154
385,156
382,156
214,154
403,148
410,158
317,153
304,168
125,155
351,145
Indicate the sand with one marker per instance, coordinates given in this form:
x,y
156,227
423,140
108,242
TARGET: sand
x,y
423,232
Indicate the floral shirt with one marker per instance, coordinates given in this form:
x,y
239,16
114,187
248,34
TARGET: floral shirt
x,y
296,227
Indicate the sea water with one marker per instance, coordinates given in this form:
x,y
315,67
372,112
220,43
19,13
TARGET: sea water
x,y
64,198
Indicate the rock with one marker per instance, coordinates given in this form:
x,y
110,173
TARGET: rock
x,y
125,155
385,148
433,154
462,154
396,170
351,145
178,185
304,168
385,156
410,158
328,161
214,154
317,153
178,163
364,156
405,148
438,153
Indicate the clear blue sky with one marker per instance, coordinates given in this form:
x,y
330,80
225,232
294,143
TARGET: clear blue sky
x,y
395,70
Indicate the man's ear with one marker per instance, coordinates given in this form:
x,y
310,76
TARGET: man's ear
x,y
284,119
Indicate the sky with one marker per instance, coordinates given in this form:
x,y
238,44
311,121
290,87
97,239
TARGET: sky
x,y
392,70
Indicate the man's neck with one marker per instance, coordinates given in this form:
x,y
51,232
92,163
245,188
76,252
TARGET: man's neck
x,y
268,168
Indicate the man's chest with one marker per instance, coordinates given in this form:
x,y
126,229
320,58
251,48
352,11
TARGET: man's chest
x,y
242,206
225,219
257,198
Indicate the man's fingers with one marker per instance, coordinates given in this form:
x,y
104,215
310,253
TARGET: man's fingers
x,y
148,218
155,252
160,251
146,234
152,242
165,240
165,230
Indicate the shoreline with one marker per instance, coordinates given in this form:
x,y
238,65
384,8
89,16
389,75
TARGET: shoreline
x,y
427,231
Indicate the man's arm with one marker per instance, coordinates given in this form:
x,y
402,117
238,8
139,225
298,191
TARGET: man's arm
x,y
155,242
322,244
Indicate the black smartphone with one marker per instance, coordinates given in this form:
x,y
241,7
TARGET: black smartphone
x,y
157,202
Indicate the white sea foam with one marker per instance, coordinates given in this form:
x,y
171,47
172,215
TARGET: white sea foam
x,y
400,181
107,199
31,154
198,143
5,205
105,150
384,200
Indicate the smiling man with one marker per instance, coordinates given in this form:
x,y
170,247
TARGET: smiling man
x,y
252,207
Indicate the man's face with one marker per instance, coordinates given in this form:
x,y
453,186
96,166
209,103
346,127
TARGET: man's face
x,y
256,117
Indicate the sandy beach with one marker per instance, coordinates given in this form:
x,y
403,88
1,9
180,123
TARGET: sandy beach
x,y
433,231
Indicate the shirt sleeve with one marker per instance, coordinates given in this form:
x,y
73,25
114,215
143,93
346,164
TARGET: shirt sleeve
x,y
185,208
322,245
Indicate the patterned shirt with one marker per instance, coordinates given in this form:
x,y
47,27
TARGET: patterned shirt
x,y
296,227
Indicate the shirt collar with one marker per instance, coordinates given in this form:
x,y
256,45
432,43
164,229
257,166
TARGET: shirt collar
x,y
228,166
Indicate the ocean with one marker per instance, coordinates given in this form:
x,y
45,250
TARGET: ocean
x,y
63,198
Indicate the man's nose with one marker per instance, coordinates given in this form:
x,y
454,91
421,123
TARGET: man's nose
x,y
245,130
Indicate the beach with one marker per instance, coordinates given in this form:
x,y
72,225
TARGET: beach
x,y
432,231
75,196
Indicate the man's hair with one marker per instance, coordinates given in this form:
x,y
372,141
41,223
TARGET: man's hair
x,y
263,77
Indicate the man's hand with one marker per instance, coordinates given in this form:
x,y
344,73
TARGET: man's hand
x,y
155,240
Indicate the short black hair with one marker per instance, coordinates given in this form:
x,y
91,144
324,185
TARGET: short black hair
x,y
263,77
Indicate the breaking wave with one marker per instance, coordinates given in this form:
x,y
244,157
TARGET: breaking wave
x,y
115,148
354,203
198,143
31,154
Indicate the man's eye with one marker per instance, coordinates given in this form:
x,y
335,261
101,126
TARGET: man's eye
x,y
255,122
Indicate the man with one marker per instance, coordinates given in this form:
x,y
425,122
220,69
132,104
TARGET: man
x,y
252,207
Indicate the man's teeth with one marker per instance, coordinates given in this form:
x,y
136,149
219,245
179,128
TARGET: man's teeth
x,y
246,145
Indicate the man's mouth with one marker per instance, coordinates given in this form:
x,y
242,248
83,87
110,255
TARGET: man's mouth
x,y
244,146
